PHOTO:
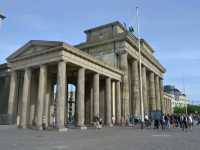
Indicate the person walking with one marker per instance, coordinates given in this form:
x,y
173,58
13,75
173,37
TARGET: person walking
x,y
146,120
162,122
184,125
190,121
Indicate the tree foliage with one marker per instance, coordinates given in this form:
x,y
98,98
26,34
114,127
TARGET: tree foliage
x,y
190,109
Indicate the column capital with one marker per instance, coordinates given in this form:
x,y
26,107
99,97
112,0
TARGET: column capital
x,y
121,52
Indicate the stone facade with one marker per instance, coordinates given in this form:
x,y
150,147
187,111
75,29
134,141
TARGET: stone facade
x,y
113,44
104,71
167,102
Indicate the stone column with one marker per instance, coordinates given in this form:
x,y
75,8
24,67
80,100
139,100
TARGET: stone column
x,y
161,94
167,106
91,104
163,105
51,107
152,91
60,102
81,98
144,87
125,84
25,98
108,102
157,85
47,101
96,94
113,101
33,98
136,88
118,103
41,95
12,96
19,96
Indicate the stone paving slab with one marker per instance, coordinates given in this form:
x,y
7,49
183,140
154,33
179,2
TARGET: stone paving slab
x,y
12,138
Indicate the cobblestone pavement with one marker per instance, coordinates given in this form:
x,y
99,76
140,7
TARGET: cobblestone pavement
x,y
114,138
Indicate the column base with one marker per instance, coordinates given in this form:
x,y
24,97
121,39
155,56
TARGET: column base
x,y
63,129
21,127
109,125
39,128
82,127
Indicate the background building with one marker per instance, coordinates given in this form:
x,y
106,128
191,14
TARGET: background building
x,y
179,98
168,101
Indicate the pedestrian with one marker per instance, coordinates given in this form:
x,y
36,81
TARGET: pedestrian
x,y
146,120
113,120
185,125
100,122
95,120
190,122
162,121
43,122
167,121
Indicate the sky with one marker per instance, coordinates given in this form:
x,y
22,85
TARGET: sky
x,y
171,27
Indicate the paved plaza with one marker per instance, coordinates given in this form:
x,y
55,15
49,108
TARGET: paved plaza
x,y
115,138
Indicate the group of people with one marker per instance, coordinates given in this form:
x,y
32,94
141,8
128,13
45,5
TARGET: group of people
x,y
184,121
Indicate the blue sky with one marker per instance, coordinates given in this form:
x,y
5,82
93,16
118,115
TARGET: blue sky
x,y
172,27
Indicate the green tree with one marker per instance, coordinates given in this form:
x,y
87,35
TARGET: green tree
x,y
190,109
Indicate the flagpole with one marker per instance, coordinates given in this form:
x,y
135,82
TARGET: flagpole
x,y
140,69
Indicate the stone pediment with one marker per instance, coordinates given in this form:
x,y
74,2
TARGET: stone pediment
x,y
32,48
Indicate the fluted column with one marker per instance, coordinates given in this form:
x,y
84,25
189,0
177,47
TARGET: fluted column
x,y
161,94
51,106
163,105
108,102
118,103
136,88
157,85
96,94
167,106
81,98
92,104
25,97
61,96
47,101
12,96
34,86
125,84
144,87
41,95
152,91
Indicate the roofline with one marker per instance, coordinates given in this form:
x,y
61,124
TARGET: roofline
x,y
105,25
147,44
121,38
3,66
65,46
32,42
